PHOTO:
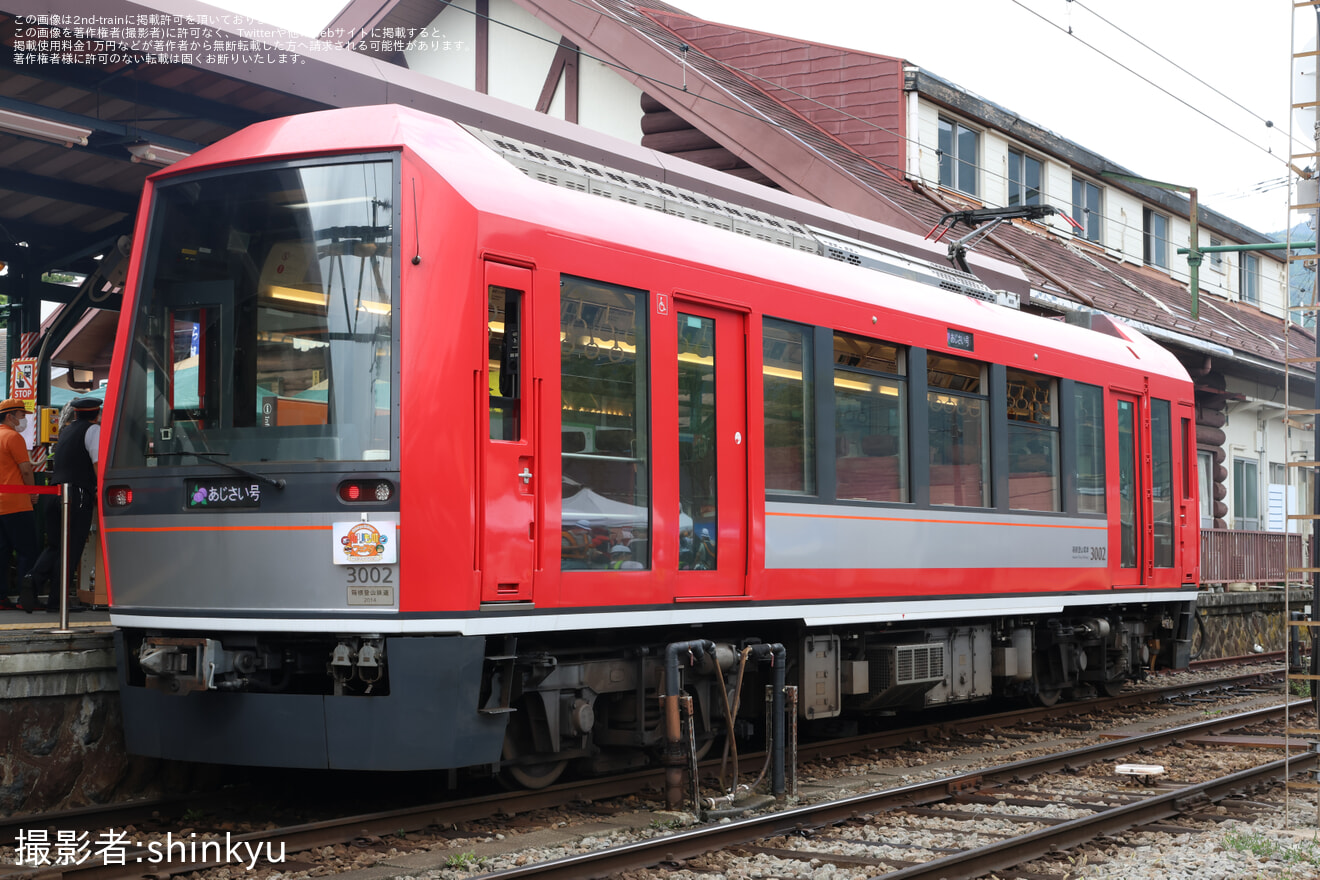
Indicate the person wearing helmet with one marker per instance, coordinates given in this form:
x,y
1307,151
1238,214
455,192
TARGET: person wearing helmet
x,y
621,558
18,524
75,463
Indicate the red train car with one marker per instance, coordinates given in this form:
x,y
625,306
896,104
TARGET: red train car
x,y
416,461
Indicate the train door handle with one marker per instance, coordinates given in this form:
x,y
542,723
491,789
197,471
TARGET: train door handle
x,y
525,476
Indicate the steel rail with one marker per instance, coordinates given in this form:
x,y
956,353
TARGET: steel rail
x,y
1035,844
299,838
689,844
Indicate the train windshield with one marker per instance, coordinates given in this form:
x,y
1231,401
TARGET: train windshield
x,y
263,330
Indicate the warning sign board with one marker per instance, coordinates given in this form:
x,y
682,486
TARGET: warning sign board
x,y
23,379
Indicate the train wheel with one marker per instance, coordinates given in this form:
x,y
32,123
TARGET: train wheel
x,y
528,768
1114,687
533,776
1048,698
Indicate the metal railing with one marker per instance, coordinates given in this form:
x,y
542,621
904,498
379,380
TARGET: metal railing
x,y
1233,555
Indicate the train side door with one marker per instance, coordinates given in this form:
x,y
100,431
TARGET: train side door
x,y
507,519
1130,494
711,437
1189,508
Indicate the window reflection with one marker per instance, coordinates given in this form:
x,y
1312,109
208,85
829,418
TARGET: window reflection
x,y
1127,483
605,424
790,420
1033,442
697,496
870,426
1089,431
1161,484
264,329
959,439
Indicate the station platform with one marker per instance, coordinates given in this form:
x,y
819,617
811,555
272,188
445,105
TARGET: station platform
x,y
13,624
60,742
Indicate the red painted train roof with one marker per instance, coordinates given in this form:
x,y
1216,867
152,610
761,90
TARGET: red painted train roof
x,y
495,187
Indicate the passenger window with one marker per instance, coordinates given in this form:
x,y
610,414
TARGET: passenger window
x,y
605,416
1089,447
505,346
1161,480
1033,442
870,424
790,413
959,432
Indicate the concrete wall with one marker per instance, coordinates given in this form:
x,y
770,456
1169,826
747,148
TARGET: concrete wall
x,y
1235,623
61,737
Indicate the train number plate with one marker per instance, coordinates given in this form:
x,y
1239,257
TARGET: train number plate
x,y
219,493
371,595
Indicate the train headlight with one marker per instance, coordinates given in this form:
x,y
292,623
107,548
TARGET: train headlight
x,y
366,491
118,496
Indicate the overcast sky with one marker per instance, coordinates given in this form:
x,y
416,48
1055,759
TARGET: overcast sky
x,y
1149,115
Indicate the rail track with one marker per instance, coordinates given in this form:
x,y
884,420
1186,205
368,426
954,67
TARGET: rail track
x,y
134,861
748,834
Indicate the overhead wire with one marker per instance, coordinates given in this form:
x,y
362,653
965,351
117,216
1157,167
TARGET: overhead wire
x,y
678,51
1176,65
1189,105
983,170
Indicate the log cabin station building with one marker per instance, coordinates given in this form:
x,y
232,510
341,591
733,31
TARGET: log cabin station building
x,y
97,94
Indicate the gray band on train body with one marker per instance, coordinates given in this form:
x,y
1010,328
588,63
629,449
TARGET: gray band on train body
x,y
273,562
822,536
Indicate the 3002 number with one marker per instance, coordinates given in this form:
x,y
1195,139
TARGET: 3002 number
x,y
370,574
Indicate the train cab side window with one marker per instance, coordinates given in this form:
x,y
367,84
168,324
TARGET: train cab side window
x,y
959,431
1033,442
1089,447
605,425
870,424
790,416
1161,474
504,334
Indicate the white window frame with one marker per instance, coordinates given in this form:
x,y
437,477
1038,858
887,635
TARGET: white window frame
x,y
953,164
1018,162
1249,279
1090,220
1243,499
1155,248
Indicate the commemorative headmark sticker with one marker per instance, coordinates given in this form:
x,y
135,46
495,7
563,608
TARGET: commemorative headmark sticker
x,y
365,543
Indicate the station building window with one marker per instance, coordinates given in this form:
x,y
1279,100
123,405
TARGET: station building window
x,y
959,431
959,153
605,411
1033,442
1089,447
1086,209
1246,498
1250,280
870,428
1155,239
1024,179
790,417
1205,475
